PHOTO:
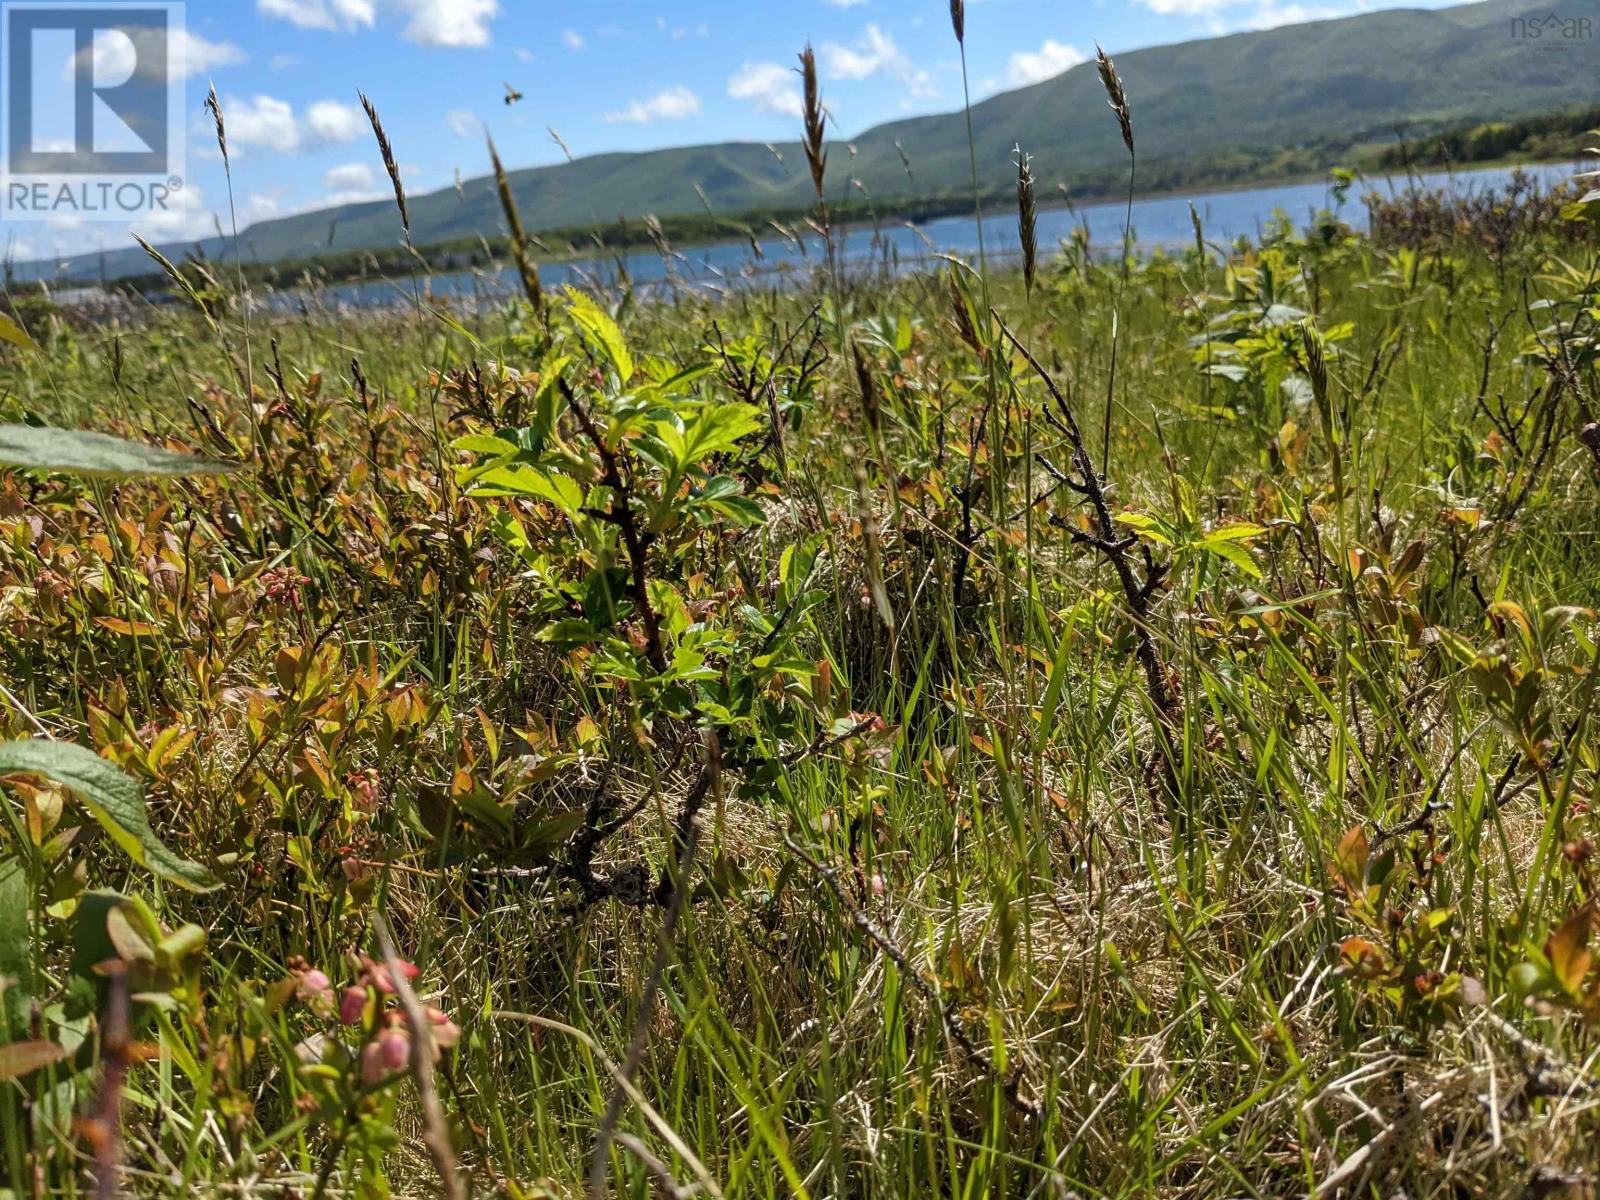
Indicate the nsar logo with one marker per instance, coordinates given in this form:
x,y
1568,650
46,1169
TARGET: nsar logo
x,y
1552,31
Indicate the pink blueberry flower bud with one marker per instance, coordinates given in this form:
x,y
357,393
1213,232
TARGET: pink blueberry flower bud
x,y
314,985
352,1005
385,1055
372,1069
446,1033
379,973
396,1048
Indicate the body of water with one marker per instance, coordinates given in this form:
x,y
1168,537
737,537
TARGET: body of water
x,y
1161,221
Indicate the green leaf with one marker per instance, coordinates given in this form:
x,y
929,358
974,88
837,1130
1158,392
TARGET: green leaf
x,y
554,832
80,452
719,428
741,510
14,961
11,332
1144,525
567,632
720,487
1051,702
91,937
669,380
1238,532
483,443
559,490
725,496
597,324
1237,554
112,798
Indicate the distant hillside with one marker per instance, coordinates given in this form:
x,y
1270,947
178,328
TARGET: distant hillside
x,y
1203,112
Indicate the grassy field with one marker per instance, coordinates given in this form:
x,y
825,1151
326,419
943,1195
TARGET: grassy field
x,y
1124,730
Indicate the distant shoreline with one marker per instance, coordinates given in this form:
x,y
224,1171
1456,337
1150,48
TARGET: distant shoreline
x,y
898,212
916,213
701,267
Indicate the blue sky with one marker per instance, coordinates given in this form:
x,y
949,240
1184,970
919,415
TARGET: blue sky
x,y
605,74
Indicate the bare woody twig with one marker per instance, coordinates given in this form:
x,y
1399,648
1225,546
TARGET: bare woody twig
x,y
621,514
104,1130
1139,581
435,1130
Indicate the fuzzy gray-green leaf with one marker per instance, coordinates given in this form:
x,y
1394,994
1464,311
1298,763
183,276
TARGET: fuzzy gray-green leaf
x,y
113,798
81,452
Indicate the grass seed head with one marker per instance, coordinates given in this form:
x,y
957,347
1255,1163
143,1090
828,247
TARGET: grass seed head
x,y
1116,94
958,20
905,162
658,235
1316,364
526,267
1027,219
815,119
214,107
389,163
961,311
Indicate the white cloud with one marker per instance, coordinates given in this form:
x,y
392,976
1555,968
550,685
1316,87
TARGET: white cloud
x,y
572,38
351,177
873,53
331,121
272,123
679,32
116,54
1048,61
112,59
673,104
524,54
463,123
322,14
262,121
258,207
197,56
770,86
453,24
283,62
843,3
187,217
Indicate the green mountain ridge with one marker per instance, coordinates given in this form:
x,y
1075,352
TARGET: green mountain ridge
x,y
1213,102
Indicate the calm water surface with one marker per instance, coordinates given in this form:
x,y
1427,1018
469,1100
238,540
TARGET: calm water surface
x,y
1158,222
